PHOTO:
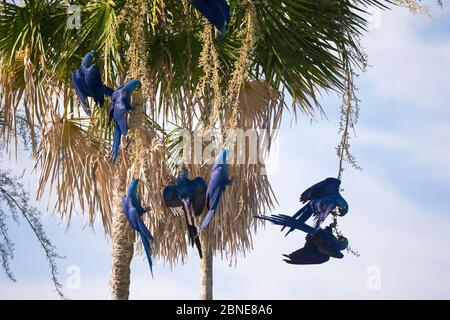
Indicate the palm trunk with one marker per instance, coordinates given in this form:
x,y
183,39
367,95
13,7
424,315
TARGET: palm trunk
x,y
206,272
122,243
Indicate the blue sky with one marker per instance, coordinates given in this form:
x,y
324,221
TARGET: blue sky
x,y
398,219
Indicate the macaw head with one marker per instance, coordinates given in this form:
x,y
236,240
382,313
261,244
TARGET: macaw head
x,y
132,188
90,58
222,157
183,172
131,85
342,206
342,243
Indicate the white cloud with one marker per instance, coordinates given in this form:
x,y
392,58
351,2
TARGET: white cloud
x,y
423,146
408,67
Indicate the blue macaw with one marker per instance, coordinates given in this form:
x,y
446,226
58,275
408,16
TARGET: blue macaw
x,y
322,199
327,187
87,81
216,186
133,211
191,196
120,105
319,248
217,12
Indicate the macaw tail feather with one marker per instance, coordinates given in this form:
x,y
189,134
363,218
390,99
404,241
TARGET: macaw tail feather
x,y
194,239
108,91
85,108
148,251
199,247
287,221
116,143
297,215
192,230
301,216
207,219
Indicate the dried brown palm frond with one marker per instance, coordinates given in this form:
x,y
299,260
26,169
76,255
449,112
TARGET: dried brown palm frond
x,y
230,232
259,110
260,106
18,85
75,169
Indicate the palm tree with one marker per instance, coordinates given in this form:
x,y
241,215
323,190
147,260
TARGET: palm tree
x,y
192,81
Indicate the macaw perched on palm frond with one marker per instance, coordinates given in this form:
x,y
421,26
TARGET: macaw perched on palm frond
x,y
191,196
120,106
216,186
87,82
217,12
133,210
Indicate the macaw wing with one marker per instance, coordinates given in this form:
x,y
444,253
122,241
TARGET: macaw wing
x,y
322,208
130,212
138,205
114,97
94,80
111,112
170,196
321,189
200,5
215,188
212,202
116,143
126,208
80,89
108,91
211,11
142,228
327,243
198,195
306,255
120,117
225,10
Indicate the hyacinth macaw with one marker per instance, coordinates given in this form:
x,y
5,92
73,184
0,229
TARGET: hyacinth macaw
x,y
318,248
87,81
327,187
216,186
217,12
322,199
120,105
133,211
191,196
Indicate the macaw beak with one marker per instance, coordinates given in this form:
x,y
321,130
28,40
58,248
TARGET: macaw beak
x,y
341,212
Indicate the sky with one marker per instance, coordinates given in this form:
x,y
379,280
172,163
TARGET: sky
x,y
398,218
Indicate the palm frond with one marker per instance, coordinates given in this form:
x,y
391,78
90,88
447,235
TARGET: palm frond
x,y
75,169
